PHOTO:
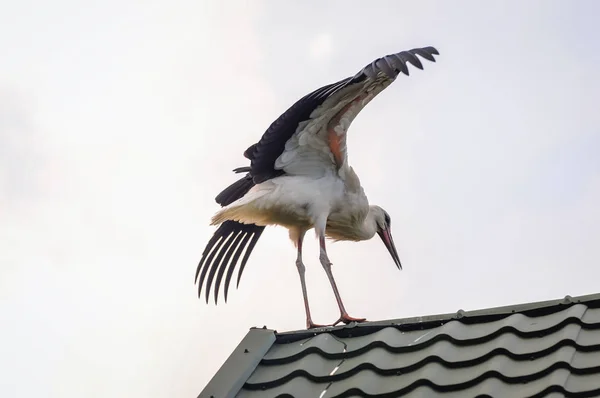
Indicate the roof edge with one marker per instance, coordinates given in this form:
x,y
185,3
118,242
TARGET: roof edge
x,y
430,321
234,372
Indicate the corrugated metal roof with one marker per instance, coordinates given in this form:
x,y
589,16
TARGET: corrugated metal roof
x,y
540,349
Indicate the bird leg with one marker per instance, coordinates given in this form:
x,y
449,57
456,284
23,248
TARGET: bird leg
x,y
302,271
344,317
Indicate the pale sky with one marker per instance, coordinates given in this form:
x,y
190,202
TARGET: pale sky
x,y
121,120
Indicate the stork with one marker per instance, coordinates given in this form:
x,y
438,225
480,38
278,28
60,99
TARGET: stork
x,y
299,178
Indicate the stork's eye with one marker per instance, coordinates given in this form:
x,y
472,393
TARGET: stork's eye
x,y
388,220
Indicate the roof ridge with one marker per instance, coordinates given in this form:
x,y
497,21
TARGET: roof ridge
x,y
535,309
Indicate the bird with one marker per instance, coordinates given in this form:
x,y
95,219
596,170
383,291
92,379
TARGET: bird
x,y
300,178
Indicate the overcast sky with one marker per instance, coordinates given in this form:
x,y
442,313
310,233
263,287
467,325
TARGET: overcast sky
x,y
121,120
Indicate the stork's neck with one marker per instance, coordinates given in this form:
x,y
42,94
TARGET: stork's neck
x,y
368,228
352,226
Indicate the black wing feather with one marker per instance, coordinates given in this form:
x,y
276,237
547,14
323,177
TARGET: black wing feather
x,y
218,239
255,236
237,189
232,247
264,153
231,237
236,257
214,265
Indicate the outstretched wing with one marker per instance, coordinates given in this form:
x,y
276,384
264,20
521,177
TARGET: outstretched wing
x,y
227,244
310,137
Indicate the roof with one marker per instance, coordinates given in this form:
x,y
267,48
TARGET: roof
x,y
548,349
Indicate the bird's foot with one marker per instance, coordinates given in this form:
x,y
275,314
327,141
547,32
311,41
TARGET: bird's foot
x,y
311,325
345,318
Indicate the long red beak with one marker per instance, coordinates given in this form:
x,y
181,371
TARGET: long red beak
x,y
388,241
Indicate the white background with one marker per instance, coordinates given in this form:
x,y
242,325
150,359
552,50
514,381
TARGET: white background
x,y
121,120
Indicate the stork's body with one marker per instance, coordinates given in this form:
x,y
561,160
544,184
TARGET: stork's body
x,y
299,178
331,203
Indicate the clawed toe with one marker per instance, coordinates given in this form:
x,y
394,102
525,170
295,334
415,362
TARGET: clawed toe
x,y
345,318
312,325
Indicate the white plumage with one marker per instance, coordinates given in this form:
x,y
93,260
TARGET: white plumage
x,y
299,178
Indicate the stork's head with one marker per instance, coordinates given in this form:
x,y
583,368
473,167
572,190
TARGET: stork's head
x,y
384,230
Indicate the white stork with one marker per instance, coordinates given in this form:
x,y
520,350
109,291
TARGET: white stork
x,y
299,178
